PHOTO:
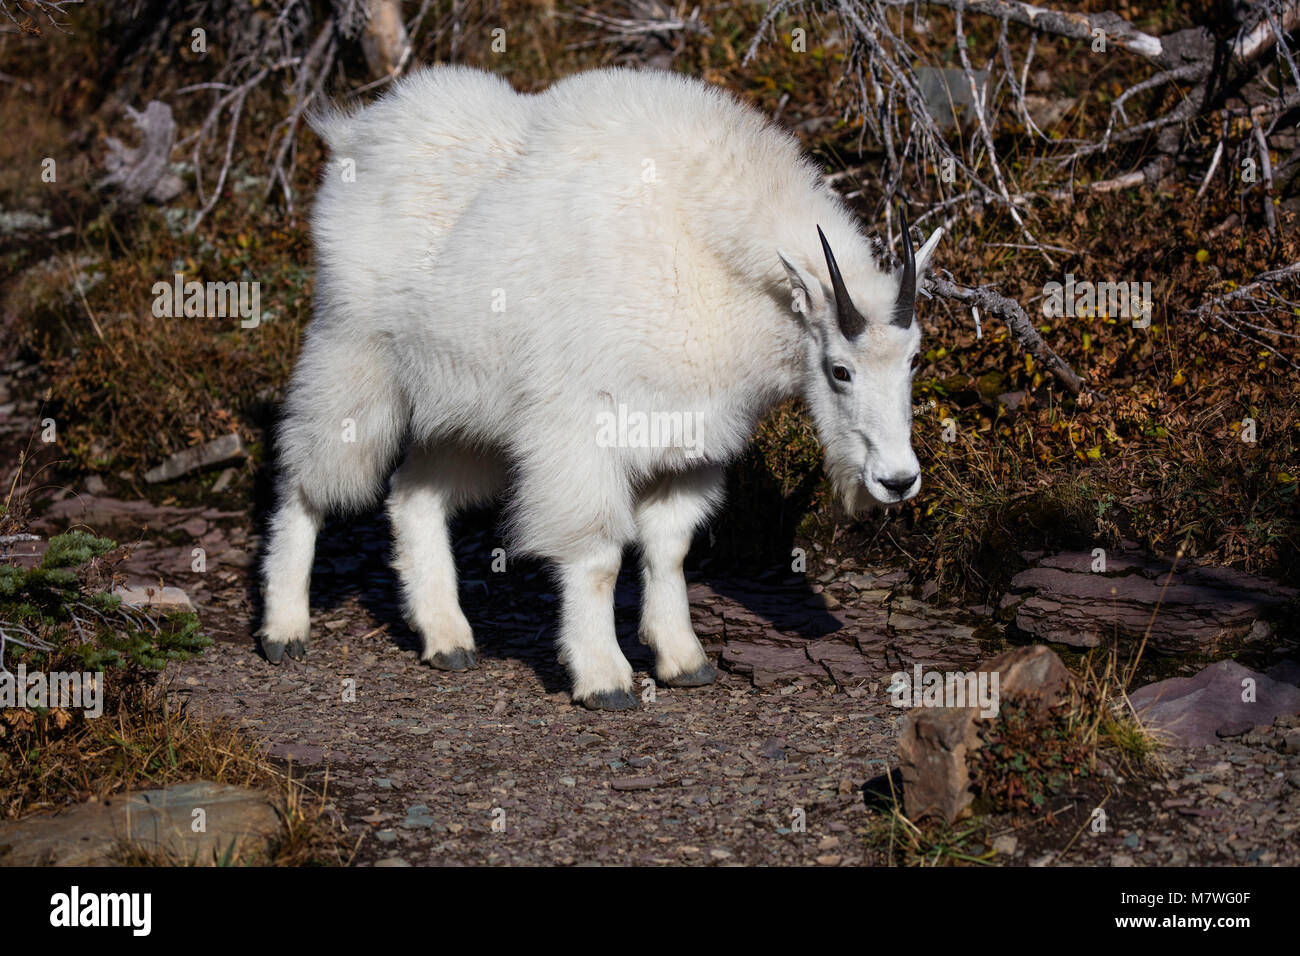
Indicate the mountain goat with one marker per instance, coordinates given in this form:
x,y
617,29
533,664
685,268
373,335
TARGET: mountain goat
x,y
589,296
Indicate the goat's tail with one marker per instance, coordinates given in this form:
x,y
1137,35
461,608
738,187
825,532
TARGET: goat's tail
x,y
335,125
345,419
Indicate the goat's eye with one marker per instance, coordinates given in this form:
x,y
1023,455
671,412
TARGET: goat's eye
x,y
841,373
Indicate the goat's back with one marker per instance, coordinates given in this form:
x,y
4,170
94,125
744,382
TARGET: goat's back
x,y
611,237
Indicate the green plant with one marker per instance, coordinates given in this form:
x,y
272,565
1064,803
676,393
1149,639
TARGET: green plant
x,y
74,625
1028,754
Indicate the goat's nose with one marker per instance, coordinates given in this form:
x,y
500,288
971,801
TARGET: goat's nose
x,y
899,484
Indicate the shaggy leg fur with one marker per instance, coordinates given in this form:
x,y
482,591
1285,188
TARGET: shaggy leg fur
x,y
426,491
602,677
286,626
666,519
344,418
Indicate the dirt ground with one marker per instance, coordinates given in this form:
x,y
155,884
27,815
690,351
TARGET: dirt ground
x,y
785,760
785,764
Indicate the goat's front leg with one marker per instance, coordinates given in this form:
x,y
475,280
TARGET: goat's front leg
x,y
666,518
602,677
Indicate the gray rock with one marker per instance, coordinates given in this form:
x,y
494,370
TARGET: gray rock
x,y
417,818
223,480
1288,672
770,663
142,172
1191,711
165,599
935,743
153,820
948,94
1062,600
98,512
219,451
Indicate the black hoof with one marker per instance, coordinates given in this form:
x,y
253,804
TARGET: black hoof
x,y
706,673
610,700
460,659
273,652
296,649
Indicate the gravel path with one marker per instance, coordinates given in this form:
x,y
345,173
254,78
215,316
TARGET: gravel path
x,y
496,765
775,763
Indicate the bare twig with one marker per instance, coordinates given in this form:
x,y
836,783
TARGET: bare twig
x,y
1018,322
1266,170
47,7
1261,299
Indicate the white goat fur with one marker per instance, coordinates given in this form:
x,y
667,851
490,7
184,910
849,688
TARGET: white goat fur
x,y
502,269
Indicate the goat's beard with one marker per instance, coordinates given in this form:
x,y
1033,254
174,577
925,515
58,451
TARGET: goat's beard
x,y
849,488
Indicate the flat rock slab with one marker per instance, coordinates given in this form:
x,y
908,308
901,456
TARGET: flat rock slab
x,y
1223,700
770,663
167,600
154,820
219,451
102,512
1196,610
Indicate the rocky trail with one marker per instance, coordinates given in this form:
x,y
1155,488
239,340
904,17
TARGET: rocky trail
x,y
783,761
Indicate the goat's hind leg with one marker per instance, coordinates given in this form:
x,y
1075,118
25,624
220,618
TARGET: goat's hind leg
x,y
427,490
286,625
342,423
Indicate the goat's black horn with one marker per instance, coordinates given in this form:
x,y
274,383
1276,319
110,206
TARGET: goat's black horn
x,y
905,305
850,319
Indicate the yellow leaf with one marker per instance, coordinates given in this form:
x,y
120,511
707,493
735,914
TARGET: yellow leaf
x,y
1094,452
1180,378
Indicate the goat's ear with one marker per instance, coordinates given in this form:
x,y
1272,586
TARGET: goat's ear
x,y
927,250
807,297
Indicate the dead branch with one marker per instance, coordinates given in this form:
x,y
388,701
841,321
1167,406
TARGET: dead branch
x,y
1018,322
306,90
1076,26
140,173
646,31
896,111
1266,170
1260,300
297,39
47,7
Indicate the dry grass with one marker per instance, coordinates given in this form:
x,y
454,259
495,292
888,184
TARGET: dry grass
x,y
1155,462
149,741
145,737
